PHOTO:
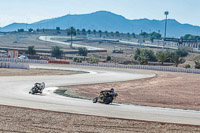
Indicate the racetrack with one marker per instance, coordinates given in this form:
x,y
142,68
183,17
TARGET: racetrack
x,y
14,91
50,39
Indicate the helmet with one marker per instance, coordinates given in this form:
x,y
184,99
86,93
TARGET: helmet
x,y
112,89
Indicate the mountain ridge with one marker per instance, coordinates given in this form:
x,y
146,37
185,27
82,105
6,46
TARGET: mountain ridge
x,y
105,20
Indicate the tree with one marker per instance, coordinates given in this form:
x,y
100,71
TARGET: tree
x,y
30,30
137,53
143,59
112,33
56,52
108,58
189,36
31,50
78,31
58,30
170,54
89,32
155,35
151,55
128,35
83,32
20,30
106,33
133,35
197,64
71,31
162,57
182,52
100,33
117,33
94,32
176,59
82,51
144,34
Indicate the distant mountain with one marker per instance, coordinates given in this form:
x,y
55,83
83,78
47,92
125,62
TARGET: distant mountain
x,y
103,20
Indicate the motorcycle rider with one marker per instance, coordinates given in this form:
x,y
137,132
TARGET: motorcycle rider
x,y
40,86
112,90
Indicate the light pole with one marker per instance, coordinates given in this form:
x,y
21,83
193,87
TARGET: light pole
x,y
166,13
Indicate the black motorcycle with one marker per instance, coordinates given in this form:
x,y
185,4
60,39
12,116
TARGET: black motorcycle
x,y
36,89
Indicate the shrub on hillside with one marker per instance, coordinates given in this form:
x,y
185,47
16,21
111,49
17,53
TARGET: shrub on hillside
x,y
93,60
187,66
78,60
56,52
197,64
31,50
162,56
82,51
149,53
182,52
108,58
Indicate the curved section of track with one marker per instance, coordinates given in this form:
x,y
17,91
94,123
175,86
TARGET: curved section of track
x,y
14,91
53,40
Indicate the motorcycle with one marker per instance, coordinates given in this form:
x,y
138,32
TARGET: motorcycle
x,y
105,97
37,89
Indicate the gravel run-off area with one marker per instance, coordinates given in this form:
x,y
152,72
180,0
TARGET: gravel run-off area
x,y
35,72
22,120
166,89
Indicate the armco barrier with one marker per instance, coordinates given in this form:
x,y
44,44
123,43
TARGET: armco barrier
x,y
14,65
23,60
58,62
159,68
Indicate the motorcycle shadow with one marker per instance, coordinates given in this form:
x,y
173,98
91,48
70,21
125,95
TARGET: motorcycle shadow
x,y
112,104
38,94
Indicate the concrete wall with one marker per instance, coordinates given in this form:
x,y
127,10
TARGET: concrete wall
x,y
14,65
23,60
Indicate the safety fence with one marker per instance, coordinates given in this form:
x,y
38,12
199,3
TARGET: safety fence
x,y
22,60
146,67
58,62
14,65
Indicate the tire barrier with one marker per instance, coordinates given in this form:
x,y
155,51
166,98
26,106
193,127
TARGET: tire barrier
x,y
22,60
146,67
58,62
14,65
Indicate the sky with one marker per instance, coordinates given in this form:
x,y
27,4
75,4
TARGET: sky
x,y
29,11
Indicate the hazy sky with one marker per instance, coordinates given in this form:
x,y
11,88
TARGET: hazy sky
x,y
28,11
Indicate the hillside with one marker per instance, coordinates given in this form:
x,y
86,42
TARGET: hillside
x,y
103,20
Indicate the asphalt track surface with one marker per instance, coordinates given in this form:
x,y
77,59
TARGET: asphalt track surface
x,y
52,39
14,92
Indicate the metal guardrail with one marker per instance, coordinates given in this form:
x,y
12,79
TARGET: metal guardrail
x,y
146,67
23,60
